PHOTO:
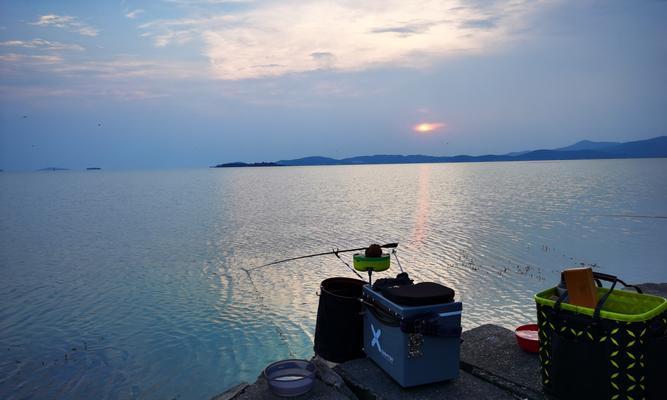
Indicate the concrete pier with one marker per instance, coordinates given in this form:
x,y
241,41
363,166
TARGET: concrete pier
x,y
492,367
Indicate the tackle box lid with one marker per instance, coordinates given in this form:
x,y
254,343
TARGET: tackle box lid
x,y
453,308
419,294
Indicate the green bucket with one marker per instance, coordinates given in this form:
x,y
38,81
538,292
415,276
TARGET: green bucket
x,y
375,264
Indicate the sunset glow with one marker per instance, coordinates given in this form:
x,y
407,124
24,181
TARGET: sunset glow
x,y
428,127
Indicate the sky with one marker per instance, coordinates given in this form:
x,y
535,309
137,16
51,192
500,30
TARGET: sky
x,y
176,83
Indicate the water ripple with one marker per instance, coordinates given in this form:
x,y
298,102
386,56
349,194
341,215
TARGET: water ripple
x,y
129,285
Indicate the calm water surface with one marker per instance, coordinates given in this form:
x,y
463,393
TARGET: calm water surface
x,y
126,285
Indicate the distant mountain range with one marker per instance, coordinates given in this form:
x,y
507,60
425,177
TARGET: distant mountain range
x,y
583,150
242,164
656,147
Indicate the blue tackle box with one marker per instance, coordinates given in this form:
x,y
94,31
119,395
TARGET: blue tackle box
x,y
414,344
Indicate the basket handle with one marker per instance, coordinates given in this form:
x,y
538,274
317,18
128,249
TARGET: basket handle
x,y
560,300
599,276
598,307
603,299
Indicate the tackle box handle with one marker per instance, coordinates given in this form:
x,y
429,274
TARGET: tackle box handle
x,y
384,316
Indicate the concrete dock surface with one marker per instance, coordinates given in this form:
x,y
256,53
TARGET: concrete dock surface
x,y
492,367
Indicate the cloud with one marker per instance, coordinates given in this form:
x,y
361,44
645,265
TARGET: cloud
x,y
206,2
180,31
119,68
121,77
22,58
124,94
69,23
134,14
406,29
481,23
129,67
42,44
324,59
295,36
179,37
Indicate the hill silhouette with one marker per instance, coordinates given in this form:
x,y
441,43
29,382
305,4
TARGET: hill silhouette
x,y
582,150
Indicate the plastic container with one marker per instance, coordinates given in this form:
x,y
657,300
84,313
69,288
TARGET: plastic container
x,y
415,345
339,328
616,350
290,378
375,264
527,338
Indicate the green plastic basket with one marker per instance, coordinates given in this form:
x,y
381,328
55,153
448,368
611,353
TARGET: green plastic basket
x,y
619,354
622,305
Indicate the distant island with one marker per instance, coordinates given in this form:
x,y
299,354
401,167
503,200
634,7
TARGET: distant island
x,y
242,164
53,169
93,169
583,150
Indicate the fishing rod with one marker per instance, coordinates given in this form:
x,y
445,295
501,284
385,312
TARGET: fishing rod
x,y
334,252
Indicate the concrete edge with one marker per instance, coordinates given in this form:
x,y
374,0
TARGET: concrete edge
x,y
331,377
232,392
360,390
520,391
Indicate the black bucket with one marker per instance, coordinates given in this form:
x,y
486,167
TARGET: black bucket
x,y
340,326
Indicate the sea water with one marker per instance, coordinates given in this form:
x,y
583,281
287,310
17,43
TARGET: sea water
x,y
127,285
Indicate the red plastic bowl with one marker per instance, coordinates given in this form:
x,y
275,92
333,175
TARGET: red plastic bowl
x,y
527,337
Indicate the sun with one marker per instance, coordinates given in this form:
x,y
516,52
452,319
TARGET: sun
x,y
428,127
